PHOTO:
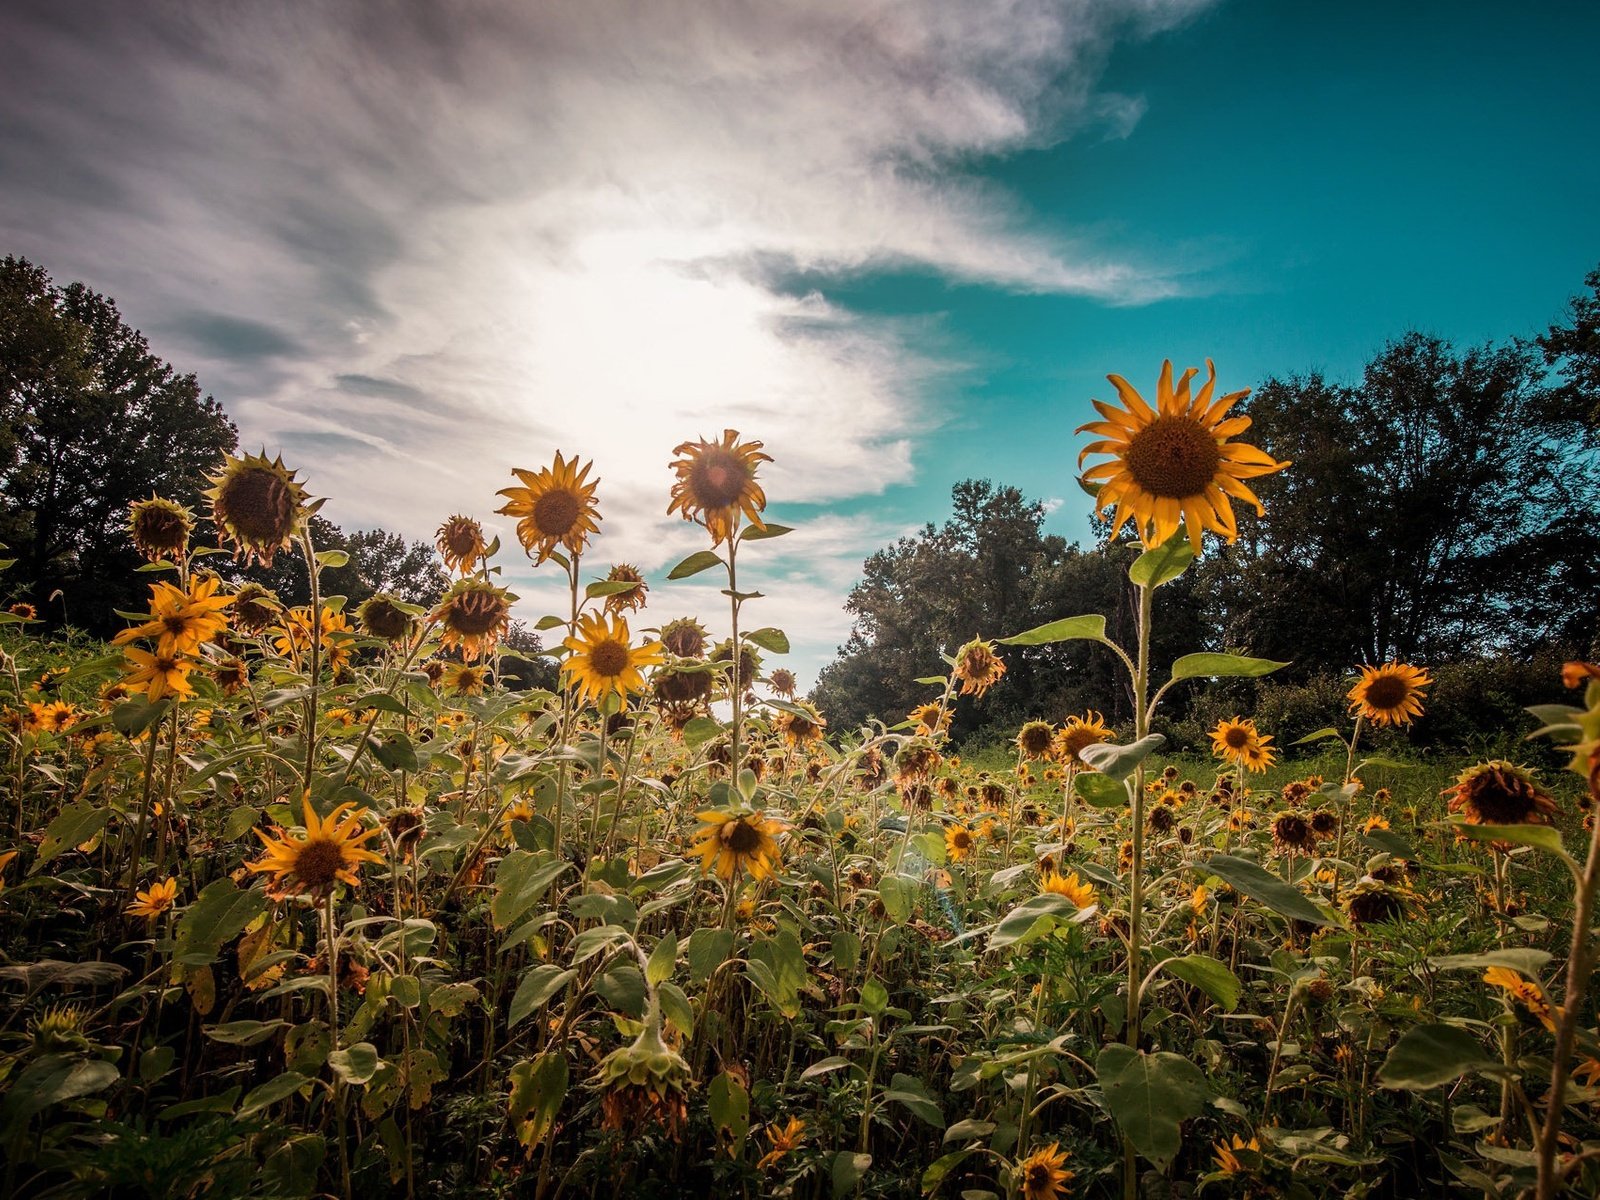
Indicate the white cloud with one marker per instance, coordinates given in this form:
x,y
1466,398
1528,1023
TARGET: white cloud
x,y
416,246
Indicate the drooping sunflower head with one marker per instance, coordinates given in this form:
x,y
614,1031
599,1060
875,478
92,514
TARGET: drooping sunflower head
x,y
329,852
801,725
1324,823
930,719
1370,902
1292,834
160,528
644,1085
555,507
381,616
1077,735
1391,694
1035,739
465,679
472,616
254,608
1043,1175
717,484
1172,465
915,762
1500,793
603,661
783,682
257,503
978,667
461,544
682,688
631,598
684,637
749,665
732,843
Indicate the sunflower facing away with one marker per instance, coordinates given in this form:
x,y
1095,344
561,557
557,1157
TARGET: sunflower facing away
x,y
257,504
330,852
717,482
1043,1174
801,725
1240,742
1390,694
630,598
1173,465
473,615
460,543
603,661
555,507
732,842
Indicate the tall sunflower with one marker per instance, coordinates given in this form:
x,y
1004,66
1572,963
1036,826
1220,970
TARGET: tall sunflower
x,y
603,660
1391,694
1077,735
556,507
1173,465
717,483
330,852
473,615
160,528
978,667
257,504
802,725
181,621
461,544
732,842
1239,741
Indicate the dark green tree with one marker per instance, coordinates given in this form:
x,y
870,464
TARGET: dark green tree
x,y
378,561
90,420
1573,348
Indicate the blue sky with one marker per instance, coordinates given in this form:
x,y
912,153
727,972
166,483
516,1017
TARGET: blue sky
x,y
900,241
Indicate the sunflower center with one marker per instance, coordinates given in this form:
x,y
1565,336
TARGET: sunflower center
x,y
1501,799
742,837
718,479
318,863
476,613
1174,457
609,658
257,505
1236,738
1387,691
556,511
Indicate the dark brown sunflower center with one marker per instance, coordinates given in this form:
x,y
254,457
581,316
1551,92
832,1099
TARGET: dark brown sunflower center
x,y
318,862
160,529
1387,691
1036,739
1501,799
556,512
610,658
476,613
461,540
718,479
175,625
257,506
1038,1176
1173,457
1236,738
166,666
742,837
961,840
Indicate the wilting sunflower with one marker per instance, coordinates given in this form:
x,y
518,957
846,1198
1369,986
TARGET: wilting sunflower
x,y
784,1139
644,1085
156,675
717,482
749,665
1389,695
157,899
801,726
1292,834
556,507
733,842
1043,1175
783,683
1173,465
330,852
1077,735
1074,889
1372,902
1035,739
465,679
381,616
257,504
684,637
160,528
181,621
930,719
461,544
978,667
632,597
254,608
603,661
472,616
1500,793
1238,741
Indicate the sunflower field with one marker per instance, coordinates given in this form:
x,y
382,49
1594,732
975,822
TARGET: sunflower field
x,y
304,901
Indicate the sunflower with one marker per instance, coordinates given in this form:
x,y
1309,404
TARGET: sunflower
x,y
254,608
156,675
556,506
1390,694
181,621
930,719
24,611
959,842
1228,1156
1172,465
1035,739
330,852
1043,1175
460,543
1077,735
293,637
801,725
784,1140
465,679
731,842
977,667
1292,834
717,483
783,683
684,637
50,716
749,665
631,598
474,615
257,503
160,528
1078,892
603,662
1500,793
381,616
150,904
1371,902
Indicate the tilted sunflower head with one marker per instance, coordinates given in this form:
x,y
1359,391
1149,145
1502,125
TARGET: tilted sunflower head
x,y
381,616
1324,823
1035,739
978,667
461,544
1500,793
644,1084
1389,695
749,665
555,506
783,682
257,504
1077,735
1370,902
916,761
684,637
801,725
633,597
472,616
160,528
1292,833
717,485
254,608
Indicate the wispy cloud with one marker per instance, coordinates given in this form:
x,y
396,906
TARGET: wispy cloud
x,y
415,246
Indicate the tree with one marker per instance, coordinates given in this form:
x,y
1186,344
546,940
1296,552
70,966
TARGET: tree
x,y
90,420
1573,349
378,561
1439,509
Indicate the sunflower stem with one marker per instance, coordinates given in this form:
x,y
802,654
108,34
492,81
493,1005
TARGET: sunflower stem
x,y
333,1033
313,572
735,684
1141,723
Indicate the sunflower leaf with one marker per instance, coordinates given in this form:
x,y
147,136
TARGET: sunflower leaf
x,y
771,529
1320,735
774,640
1118,762
1429,1055
1256,882
1213,666
1164,563
609,587
1540,837
1091,628
700,560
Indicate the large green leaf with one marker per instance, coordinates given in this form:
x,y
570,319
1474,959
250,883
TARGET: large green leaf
x,y
537,1089
1150,1095
1213,666
1091,628
76,824
773,640
1541,837
1259,884
700,560
1164,563
1100,791
1035,917
913,1093
519,881
1211,976
1528,961
1429,1055
537,988
1118,762
219,914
